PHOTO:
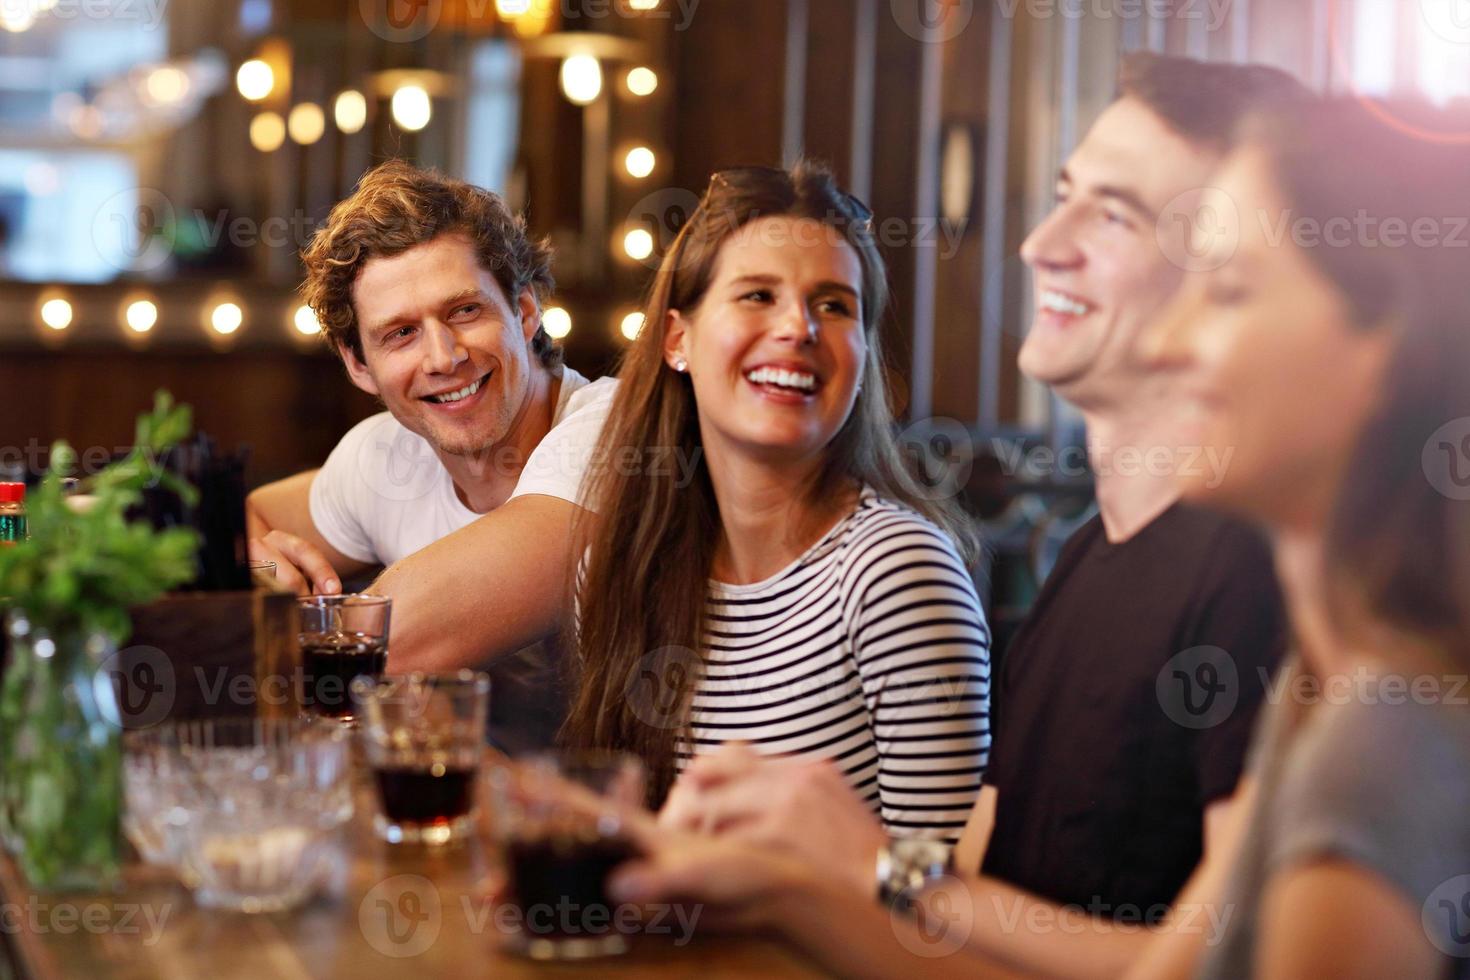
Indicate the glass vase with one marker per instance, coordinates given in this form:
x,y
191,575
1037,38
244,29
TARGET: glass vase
x,y
60,758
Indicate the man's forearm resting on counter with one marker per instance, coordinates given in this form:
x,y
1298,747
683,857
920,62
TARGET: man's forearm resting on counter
x,y
487,590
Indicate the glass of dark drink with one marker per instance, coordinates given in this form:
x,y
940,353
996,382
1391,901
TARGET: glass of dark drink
x,y
424,739
560,819
342,637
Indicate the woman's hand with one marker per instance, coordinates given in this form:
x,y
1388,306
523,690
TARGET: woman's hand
x,y
805,810
737,885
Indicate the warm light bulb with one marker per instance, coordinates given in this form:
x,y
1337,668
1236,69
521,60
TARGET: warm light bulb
x,y
267,132
638,244
86,121
141,316
632,325
255,80
17,17
642,81
56,314
226,318
166,86
306,123
640,162
557,322
412,108
350,111
535,20
581,79
305,321
529,17
643,4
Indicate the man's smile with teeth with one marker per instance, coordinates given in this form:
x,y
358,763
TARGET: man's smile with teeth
x,y
782,378
457,395
1056,302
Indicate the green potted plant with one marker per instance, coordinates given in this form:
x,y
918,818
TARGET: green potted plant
x,y
67,590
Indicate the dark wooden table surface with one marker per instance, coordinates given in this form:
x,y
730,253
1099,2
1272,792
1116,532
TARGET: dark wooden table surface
x,y
387,912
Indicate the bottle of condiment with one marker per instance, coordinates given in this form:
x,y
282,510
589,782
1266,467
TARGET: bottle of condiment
x,y
12,513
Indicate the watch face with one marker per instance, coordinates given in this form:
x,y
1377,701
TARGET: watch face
x,y
921,853
905,865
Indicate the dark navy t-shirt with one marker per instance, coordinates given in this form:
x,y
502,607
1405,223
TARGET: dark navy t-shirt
x,y
1124,708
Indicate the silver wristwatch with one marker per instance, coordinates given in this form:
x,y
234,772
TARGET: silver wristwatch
x,y
906,866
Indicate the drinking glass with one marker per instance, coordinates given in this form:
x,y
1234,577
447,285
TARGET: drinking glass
x,y
423,737
342,637
262,803
560,818
257,569
157,800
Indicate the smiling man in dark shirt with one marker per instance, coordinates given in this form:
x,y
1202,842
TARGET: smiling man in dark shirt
x,y
1126,701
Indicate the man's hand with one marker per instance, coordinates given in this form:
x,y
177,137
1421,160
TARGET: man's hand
x,y
300,565
804,808
279,526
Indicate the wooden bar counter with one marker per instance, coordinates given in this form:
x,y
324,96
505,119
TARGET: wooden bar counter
x,y
385,911
391,911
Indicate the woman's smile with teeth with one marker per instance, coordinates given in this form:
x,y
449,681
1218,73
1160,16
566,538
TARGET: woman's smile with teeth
x,y
782,378
462,393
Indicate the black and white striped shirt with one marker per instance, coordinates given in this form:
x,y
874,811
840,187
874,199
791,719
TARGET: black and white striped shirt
x,y
870,650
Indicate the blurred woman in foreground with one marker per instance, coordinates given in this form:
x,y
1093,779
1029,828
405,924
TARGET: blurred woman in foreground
x,y
1327,346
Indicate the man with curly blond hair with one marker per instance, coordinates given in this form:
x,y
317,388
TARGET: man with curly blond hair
x,y
430,291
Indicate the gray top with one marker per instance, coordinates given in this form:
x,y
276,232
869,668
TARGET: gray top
x,y
1374,774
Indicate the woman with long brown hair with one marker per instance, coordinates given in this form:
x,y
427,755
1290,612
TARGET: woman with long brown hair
x,y
1332,347
1327,348
763,567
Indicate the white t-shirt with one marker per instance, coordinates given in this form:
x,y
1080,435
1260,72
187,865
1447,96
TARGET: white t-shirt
x,y
383,493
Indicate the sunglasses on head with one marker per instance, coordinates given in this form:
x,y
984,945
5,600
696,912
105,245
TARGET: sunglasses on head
x,y
861,214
